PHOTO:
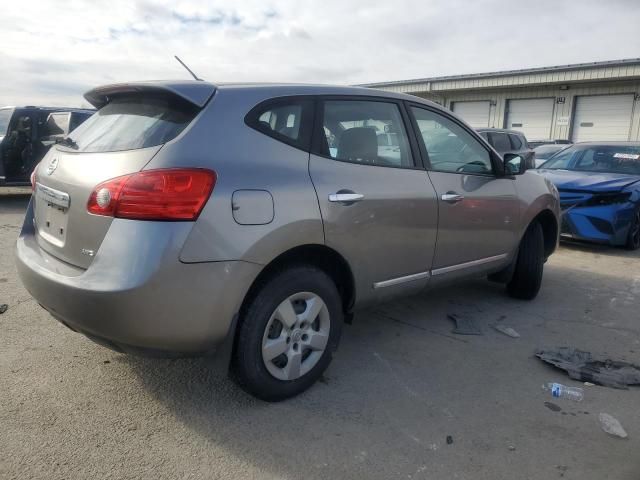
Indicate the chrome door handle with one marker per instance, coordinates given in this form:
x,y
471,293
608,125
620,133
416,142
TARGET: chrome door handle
x,y
452,197
345,197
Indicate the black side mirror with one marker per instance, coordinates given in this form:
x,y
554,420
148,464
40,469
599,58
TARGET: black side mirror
x,y
514,164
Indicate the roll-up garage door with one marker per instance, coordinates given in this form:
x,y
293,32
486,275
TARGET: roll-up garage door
x,y
475,114
532,117
602,118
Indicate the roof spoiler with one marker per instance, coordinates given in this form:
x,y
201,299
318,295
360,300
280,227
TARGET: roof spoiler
x,y
197,93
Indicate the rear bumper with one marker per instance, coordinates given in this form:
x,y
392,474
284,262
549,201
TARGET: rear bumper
x,y
600,224
136,295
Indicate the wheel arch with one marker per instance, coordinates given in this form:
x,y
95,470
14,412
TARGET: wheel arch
x,y
320,256
550,230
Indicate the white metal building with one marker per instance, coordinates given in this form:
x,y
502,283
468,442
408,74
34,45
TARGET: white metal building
x,y
581,102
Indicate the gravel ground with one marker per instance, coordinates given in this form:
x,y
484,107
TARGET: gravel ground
x,y
400,384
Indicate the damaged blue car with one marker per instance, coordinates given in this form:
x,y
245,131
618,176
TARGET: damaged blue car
x,y
599,185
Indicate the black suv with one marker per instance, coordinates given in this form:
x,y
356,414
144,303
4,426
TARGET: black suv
x,y
509,141
26,133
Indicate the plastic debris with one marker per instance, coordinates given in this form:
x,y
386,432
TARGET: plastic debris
x,y
582,366
589,384
508,331
611,425
464,325
562,391
3,308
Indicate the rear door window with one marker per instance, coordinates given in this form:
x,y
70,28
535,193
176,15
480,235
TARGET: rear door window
x,y
366,132
499,141
129,123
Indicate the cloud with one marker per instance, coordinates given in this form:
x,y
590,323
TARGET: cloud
x,y
52,52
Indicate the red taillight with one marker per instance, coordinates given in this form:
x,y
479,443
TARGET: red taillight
x,y
33,179
172,194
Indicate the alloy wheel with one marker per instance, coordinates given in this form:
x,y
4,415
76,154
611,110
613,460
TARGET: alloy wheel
x,y
296,336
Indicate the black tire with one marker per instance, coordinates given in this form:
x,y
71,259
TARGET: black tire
x,y
527,276
248,364
633,239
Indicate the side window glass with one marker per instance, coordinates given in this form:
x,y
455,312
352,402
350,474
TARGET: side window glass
x,y
499,141
287,120
284,119
365,132
449,146
56,125
516,143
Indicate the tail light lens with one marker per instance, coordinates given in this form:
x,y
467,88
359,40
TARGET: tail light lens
x,y
171,194
33,179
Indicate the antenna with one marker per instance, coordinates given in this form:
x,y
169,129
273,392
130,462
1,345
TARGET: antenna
x,y
188,69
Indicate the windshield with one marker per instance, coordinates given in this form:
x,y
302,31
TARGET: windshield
x,y
598,158
545,151
5,118
130,123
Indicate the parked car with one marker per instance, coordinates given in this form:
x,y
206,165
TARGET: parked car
x,y
599,186
509,141
537,143
189,218
545,152
26,133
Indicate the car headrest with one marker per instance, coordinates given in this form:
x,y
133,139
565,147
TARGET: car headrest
x,y
358,144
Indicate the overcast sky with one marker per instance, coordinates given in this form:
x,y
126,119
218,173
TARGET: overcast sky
x,y
53,51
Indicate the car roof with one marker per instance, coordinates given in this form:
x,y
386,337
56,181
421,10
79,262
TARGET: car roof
x,y
48,109
199,92
501,130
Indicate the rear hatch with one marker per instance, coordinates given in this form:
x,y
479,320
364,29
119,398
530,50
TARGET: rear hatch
x,y
132,124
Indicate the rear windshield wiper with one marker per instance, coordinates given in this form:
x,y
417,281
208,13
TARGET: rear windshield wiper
x,y
68,142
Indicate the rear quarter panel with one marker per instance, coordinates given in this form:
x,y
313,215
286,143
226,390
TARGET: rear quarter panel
x,y
244,159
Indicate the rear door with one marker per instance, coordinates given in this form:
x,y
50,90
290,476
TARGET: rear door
x,y
478,210
378,206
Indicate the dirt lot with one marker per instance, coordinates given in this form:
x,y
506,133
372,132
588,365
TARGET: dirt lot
x,y
400,384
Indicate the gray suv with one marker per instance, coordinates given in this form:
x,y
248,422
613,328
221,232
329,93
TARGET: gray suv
x,y
252,220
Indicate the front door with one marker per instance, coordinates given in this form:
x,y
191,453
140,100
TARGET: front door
x,y
478,210
378,207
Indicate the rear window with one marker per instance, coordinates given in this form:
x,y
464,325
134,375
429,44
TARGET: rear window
x,y
129,123
78,118
516,142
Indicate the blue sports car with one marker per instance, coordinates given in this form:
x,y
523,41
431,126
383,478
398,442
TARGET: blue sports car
x,y
599,185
